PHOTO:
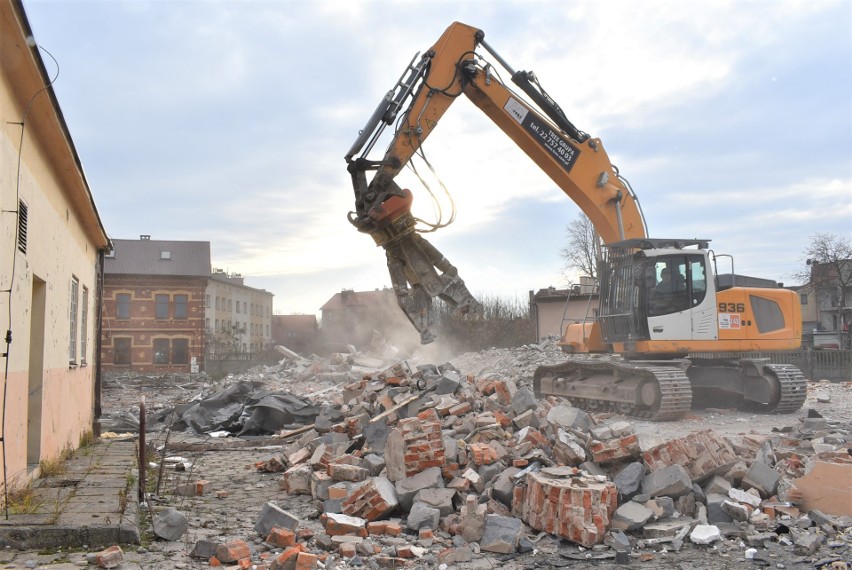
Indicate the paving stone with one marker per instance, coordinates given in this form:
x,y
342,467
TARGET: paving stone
x,y
672,481
270,516
631,516
762,477
629,479
421,516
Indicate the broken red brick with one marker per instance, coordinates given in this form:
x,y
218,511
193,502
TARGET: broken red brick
x,y
232,551
615,449
701,453
281,537
563,507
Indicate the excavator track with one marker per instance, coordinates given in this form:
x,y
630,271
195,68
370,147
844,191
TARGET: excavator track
x,y
657,393
793,388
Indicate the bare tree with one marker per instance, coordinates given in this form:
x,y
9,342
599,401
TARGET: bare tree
x,y
583,244
828,272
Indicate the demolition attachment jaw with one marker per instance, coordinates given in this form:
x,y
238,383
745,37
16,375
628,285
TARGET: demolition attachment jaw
x,y
418,271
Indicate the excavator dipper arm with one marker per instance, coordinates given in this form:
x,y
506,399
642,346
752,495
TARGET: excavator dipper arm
x,y
431,83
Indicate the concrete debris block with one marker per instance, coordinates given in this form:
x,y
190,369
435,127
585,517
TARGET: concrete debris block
x,y
299,456
662,507
472,516
672,481
502,534
807,543
524,400
374,499
705,534
567,449
475,480
341,525
569,417
454,555
736,472
441,499
449,383
631,516
170,524
110,557
297,480
685,504
762,477
668,528
717,485
232,551
374,463
320,483
422,515
738,511
615,449
744,497
701,453
415,445
621,428
525,419
203,549
376,434
715,513
628,480
578,510
826,488
601,432
271,515
503,487
407,488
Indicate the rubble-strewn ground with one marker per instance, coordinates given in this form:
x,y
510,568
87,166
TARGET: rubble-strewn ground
x,y
252,476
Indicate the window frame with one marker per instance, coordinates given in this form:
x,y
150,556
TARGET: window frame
x,y
181,306
160,346
84,325
72,319
119,304
123,350
158,305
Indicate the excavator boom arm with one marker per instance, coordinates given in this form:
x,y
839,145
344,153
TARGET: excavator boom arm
x,y
577,163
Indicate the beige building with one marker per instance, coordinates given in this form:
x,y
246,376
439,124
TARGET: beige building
x,y
238,318
554,309
51,259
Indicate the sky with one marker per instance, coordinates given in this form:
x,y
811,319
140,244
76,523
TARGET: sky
x,y
228,121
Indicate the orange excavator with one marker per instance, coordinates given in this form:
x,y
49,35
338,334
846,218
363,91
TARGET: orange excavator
x,y
661,300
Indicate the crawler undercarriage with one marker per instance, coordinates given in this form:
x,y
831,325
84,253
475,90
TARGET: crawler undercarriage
x,y
662,390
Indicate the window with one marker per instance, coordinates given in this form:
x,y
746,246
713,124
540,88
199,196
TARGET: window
x,y
180,351
161,351
207,323
230,305
121,351
181,302
84,326
122,306
207,301
23,213
72,318
162,311
238,306
803,298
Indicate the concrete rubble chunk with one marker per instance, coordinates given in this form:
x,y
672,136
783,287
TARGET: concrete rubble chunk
x,y
473,519
270,516
502,534
672,481
744,497
170,524
421,516
441,499
629,479
705,534
631,516
524,400
762,477
569,417
407,488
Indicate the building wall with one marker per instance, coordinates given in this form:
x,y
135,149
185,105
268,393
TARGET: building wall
x,y
50,382
549,314
144,329
230,302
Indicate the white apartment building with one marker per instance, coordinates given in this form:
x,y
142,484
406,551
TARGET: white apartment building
x,y
236,312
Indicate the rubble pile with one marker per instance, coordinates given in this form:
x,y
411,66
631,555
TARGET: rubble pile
x,y
427,466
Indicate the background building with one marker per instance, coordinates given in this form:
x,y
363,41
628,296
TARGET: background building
x,y
153,316
238,318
